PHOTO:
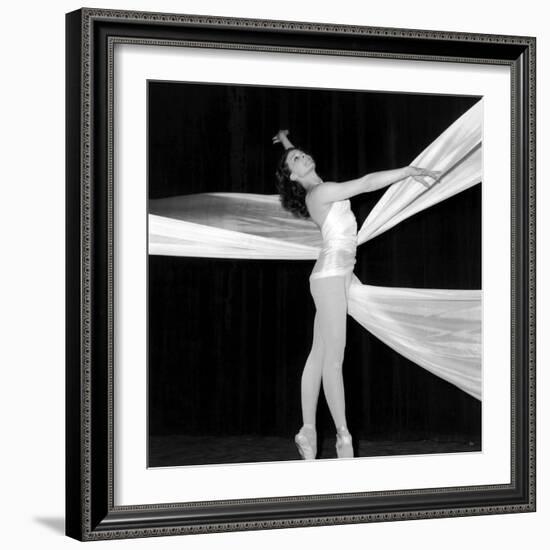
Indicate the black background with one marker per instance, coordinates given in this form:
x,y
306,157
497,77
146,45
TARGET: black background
x,y
228,338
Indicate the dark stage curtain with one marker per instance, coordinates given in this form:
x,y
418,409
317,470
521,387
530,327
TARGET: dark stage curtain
x,y
228,338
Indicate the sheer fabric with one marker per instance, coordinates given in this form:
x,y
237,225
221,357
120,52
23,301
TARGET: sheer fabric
x,y
438,329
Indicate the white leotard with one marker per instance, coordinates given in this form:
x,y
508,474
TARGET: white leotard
x,y
339,233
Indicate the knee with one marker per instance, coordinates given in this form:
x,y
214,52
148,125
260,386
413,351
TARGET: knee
x,y
316,351
334,359
314,360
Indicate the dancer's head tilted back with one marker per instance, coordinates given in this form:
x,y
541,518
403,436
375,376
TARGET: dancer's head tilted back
x,y
292,192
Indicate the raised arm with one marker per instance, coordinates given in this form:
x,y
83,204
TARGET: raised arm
x,y
282,137
330,192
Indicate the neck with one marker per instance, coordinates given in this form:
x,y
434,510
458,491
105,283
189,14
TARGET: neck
x,y
310,181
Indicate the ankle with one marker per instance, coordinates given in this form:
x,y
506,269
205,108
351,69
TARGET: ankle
x,y
344,443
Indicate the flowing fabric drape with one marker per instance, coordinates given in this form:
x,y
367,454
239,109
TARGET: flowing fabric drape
x,y
438,329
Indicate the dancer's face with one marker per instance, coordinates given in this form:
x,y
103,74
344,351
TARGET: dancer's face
x,y
300,164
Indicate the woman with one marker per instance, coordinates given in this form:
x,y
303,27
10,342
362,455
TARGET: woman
x,y
305,194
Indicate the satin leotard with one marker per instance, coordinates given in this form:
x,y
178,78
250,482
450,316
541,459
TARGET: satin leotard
x,y
339,231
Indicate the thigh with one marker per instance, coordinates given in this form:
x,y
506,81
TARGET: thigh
x,y
330,297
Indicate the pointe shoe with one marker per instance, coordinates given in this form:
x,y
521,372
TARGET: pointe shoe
x,y
306,442
344,447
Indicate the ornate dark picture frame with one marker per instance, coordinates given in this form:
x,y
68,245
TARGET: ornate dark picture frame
x,y
90,510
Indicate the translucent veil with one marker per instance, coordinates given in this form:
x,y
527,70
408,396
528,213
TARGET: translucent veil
x,y
438,329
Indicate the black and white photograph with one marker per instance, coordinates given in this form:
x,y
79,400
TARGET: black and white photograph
x,y
314,273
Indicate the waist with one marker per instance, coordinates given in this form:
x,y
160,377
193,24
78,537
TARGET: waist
x,y
339,242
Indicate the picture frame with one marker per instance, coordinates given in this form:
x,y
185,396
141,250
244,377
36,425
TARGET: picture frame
x,y
91,327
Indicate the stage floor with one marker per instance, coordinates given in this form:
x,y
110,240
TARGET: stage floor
x,y
184,450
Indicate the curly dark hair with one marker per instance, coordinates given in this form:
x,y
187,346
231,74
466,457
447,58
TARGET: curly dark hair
x,y
292,194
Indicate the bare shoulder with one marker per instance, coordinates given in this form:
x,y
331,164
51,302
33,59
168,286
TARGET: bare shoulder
x,y
320,194
329,192
317,204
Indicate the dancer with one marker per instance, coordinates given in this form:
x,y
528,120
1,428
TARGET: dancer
x,y
306,195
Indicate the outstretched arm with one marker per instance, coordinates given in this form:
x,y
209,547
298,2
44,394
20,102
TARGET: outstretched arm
x,y
282,137
331,192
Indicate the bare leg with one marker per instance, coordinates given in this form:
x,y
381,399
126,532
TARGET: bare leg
x,y
324,363
330,296
311,376
306,438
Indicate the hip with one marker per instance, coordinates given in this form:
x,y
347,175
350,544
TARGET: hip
x,y
333,263
333,284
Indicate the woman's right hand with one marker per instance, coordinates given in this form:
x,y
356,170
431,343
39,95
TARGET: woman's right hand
x,y
280,136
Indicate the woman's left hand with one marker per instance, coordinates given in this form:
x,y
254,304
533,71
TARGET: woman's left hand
x,y
419,174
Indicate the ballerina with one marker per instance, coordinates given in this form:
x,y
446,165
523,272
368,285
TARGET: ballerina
x,y
306,195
